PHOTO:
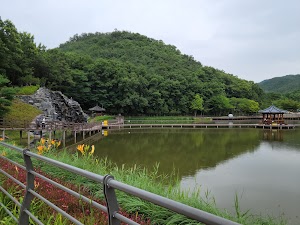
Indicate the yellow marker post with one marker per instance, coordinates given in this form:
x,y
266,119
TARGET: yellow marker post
x,y
105,123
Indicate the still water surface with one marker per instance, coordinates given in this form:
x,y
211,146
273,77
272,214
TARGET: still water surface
x,y
261,166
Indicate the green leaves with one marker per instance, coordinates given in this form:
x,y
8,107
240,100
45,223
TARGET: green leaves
x,y
197,104
244,106
125,72
6,95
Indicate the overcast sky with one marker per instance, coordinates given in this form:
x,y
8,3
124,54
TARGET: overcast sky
x,y
252,39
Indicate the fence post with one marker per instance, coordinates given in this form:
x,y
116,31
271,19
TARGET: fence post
x,y
24,217
111,201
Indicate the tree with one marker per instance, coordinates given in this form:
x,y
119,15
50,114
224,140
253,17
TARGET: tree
x,y
244,105
288,104
6,95
197,104
219,105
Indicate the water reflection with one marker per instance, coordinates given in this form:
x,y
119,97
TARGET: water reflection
x,y
273,135
266,182
185,150
262,166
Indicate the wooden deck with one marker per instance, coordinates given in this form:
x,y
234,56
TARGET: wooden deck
x,y
88,127
146,126
52,126
258,117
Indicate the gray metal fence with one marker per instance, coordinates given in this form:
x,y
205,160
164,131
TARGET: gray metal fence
x,y
109,187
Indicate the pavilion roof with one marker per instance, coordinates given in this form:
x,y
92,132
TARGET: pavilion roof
x,y
97,109
272,109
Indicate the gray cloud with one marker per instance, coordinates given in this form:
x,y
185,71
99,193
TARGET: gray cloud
x,y
252,39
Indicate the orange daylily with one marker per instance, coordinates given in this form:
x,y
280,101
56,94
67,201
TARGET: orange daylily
x,y
81,149
43,141
40,149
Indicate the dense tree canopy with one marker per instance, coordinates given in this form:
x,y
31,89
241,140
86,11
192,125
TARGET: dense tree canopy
x,y
284,84
133,74
6,95
125,72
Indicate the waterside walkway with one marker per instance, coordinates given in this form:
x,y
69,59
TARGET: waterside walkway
x,y
227,125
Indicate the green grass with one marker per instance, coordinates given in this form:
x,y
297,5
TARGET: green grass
x,y
27,90
161,118
165,185
167,120
101,118
20,113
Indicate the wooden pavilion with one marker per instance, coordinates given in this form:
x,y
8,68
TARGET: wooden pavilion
x,y
272,115
97,110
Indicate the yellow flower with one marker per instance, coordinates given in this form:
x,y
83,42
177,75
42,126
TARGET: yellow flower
x,y
40,149
80,148
1,139
92,151
43,141
58,143
52,142
36,184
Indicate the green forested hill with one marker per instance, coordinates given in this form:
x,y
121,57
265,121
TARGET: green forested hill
x,y
285,84
132,73
137,49
125,72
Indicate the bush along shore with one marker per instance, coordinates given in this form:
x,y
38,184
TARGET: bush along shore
x,y
135,208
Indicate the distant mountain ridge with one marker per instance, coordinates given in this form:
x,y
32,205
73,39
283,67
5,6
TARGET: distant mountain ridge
x,y
285,84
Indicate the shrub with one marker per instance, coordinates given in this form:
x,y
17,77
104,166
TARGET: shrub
x,y
27,90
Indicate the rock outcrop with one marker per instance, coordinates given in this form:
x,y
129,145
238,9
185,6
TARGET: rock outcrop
x,y
56,106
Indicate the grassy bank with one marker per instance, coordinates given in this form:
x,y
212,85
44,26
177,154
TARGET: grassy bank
x,y
144,179
101,118
22,112
167,120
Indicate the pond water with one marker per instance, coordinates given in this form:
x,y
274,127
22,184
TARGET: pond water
x,y
261,166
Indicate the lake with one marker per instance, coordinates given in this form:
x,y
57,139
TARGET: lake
x,y
261,166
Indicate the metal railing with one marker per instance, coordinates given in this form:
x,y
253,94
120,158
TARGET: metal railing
x,y
109,187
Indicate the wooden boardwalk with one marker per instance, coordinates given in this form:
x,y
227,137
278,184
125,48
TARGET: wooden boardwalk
x,y
88,129
258,117
229,125
51,125
51,128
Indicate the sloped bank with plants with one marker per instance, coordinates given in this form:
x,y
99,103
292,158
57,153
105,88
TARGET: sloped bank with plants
x,y
153,181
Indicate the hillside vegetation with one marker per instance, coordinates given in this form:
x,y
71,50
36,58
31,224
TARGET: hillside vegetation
x,y
285,84
133,74
20,113
125,72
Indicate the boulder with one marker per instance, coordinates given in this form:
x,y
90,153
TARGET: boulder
x,y
56,106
